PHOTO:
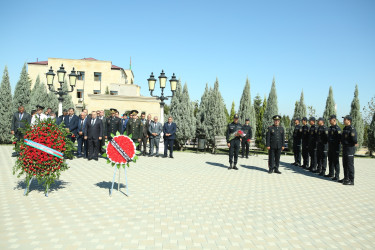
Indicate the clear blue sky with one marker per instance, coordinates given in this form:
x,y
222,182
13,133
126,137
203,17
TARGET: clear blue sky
x,y
307,45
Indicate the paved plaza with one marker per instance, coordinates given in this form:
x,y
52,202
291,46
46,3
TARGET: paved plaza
x,y
190,202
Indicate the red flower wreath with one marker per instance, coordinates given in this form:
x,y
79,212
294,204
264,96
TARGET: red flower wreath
x,y
126,144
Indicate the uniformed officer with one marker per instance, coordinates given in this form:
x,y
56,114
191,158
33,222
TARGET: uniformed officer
x,y
313,134
334,144
349,141
305,143
233,143
134,127
297,138
275,141
113,124
322,147
246,140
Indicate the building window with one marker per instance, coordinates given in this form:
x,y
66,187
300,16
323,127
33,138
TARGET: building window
x,y
79,93
97,76
81,75
96,92
113,92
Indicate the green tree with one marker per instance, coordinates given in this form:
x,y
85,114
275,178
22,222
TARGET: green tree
x,y
52,101
67,102
257,104
301,107
227,114
232,112
22,91
371,135
259,127
330,106
355,113
271,110
5,111
246,109
292,126
312,112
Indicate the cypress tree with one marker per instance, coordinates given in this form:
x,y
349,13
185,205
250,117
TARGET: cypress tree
x,y
35,94
302,107
371,135
227,114
246,110
355,113
330,106
52,101
22,92
201,115
292,126
5,111
67,103
271,110
259,128
232,112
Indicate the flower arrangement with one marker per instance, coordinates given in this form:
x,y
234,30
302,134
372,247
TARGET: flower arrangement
x,y
41,153
238,133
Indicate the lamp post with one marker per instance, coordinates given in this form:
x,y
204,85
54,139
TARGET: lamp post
x,y
162,98
61,78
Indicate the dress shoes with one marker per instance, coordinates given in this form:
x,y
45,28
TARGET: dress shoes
x,y
235,167
277,171
348,182
328,176
335,179
230,166
164,156
171,156
96,159
342,180
270,171
321,174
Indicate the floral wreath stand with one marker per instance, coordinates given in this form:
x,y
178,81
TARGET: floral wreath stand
x,y
120,151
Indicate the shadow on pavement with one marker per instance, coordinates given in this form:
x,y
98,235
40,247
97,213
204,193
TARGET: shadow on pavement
x,y
108,185
58,184
217,164
300,170
255,168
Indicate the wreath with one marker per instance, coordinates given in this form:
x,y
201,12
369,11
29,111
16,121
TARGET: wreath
x,y
42,151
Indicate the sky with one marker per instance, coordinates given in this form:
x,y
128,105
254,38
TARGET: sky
x,y
305,45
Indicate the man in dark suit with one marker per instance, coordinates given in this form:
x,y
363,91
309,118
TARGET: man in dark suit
x,y
71,124
60,119
124,122
169,130
155,128
144,133
19,121
102,117
93,133
82,143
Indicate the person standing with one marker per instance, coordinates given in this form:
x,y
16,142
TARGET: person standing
x,y
39,115
155,128
102,117
148,123
349,142
297,139
71,124
169,130
233,143
93,133
275,141
113,124
144,133
305,143
313,134
82,142
19,121
133,128
322,147
60,119
245,143
124,122
334,146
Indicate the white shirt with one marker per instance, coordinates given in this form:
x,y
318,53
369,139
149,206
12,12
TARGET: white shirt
x,y
35,118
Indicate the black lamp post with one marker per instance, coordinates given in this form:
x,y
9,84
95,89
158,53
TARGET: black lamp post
x,y
61,78
163,81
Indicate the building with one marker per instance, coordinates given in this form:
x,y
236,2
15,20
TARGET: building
x,y
100,85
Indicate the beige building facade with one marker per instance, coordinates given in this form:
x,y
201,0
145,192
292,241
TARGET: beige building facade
x,y
100,85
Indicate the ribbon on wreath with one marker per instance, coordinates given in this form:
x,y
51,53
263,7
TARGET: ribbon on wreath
x,y
44,148
120,150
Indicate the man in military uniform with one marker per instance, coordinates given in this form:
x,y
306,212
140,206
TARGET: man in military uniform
x,y
275,141
19,121
349,142
233,143
246,140
113,124
313,132
334,144
297,137
144,133
101,116
134,128
322,147
305,143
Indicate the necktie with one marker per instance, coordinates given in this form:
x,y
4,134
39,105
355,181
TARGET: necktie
x,y
154,124
70,118
93,122
20,116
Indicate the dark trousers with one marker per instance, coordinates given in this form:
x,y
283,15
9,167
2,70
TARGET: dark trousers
x,y
274,158
233,150
312,154
305,154
82,146
245,147
93,148
297,153
322,157
348,162
333,161
143,143
168,144
101,144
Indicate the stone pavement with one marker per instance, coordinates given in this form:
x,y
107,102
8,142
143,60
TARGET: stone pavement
x,y
190,202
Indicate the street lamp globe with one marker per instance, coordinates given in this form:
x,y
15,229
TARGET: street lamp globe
x,y
72,78
61,74
151,82
162,79
50,75
173,82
